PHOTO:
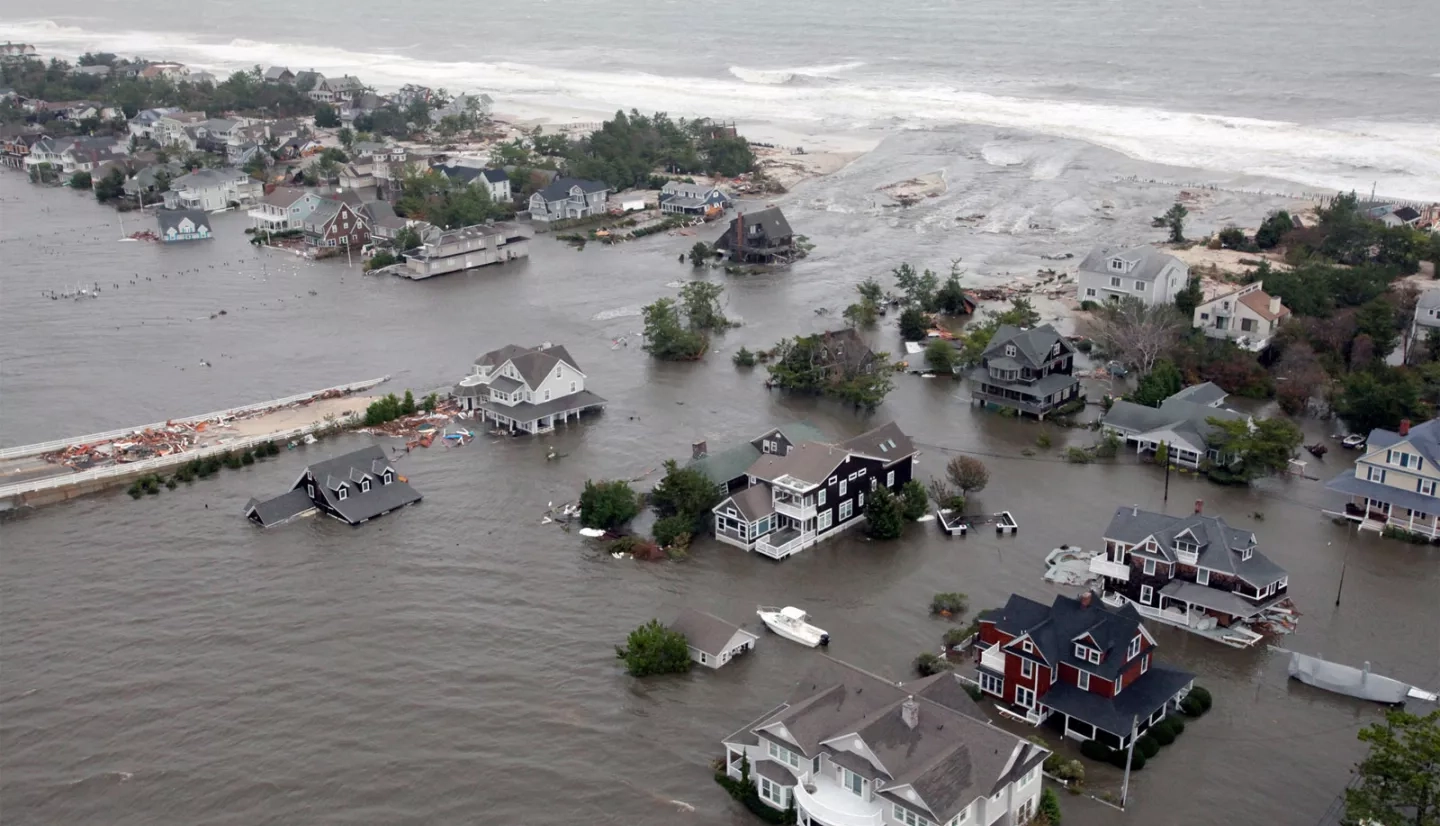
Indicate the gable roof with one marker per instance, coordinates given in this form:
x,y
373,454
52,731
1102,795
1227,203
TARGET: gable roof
x,y
1146,261
1185,415
171,218
950,757
1054,630
350,468
1220,545
753,502
1033,344
1206,393
734,461
706,632
888,443
279,509
809,462
202,178
324,212
284,196
1259,302
770,221
277,72
559,189
1406,213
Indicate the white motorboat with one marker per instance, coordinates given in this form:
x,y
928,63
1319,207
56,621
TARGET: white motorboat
x,y
1354,441
793,624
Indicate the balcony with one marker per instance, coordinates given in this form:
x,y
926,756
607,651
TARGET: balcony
x,y
782,543
993,659
834,805
795,507
1114,570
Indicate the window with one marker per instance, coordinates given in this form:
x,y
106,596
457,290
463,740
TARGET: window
x,y
860,503
890,479
704,658
1082,651
1375,474
874,482
1149,567
1009,349
557,371
572,387
1139,286
364,485
1426,487
846,510
842,487
832,480
1090,292
310,491
824,521
852,781
1134,649
862,472
1082,680
1247,325
547,395
907,817
1114,280
1027,646
783,754
1202,576
1146,594
1145,664
343,493
1027,669
820,498
991,684
1024,697
1204,316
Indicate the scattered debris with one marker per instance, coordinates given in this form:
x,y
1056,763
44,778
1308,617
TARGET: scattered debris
x,y
1071,566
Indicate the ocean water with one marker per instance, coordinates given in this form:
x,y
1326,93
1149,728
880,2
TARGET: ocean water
x,y
1327,94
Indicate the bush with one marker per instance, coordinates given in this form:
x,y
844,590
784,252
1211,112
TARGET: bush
x,y
607,505
1096,750
247,458
80,180
1078,456
1070,770
1196,703
1176,723
1137,761
884,515
669,529
1044,440
1202,694
914,325
1089,306
1049,811
950,604
1108,447
1162,733
654,649
1147,746
913,500
383,258
743,358
928,664
974,691
955,636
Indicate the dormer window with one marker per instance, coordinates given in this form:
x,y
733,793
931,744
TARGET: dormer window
x,y
364,485
343,492
1027,647
388,477
1117,265
1246,554
1134,650
1086,653
1010,350
557,371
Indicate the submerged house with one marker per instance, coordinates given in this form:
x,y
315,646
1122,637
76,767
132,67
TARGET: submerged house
x,y
851,748
762,236
713,642
183,225
1078,664
353,488
1393,483
526,389
728,468
803,493
678,198
566,199
1195,572
1030,370
1181,423
466,248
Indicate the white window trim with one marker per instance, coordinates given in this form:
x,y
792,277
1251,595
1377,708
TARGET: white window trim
x,y
1147,594
1202,576
1027,669
1149,567
1082,680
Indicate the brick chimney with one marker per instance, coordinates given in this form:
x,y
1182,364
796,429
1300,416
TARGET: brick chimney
x,y
1404,427
910,712
1199,505
698,450
1085,599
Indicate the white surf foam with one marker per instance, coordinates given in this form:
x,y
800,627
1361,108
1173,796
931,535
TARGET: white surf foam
x,y
1399,160
778,76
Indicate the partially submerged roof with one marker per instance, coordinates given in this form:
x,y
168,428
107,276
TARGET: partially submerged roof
x,y
1054,630
173,218
1035,345
280,509
888,443
706,632
1221,547
769,222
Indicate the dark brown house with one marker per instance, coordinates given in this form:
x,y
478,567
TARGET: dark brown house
x,y
336,224
762,236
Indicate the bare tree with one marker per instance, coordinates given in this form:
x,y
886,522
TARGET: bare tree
x,y
967,473
1299,375
1138,333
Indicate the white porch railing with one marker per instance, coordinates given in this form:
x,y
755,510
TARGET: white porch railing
x,y
762,545
1104,567
994,659
794,511
832,805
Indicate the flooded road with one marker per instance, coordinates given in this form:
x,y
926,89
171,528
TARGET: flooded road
x,y
164,661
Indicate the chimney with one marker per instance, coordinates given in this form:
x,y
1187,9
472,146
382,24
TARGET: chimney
x,y
910,712
1274,305
1404,427
1199,505
1085,599
698,450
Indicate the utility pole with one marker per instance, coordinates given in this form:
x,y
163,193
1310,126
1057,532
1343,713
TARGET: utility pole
x,y
1165,448
1129,756
1345,560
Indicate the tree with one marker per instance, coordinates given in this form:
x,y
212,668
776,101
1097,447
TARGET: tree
x,y
429,403
700,301
1379,398
257,165
700,254
1273,229
1138,333
1232,238
383,258
407,406
110,187
666,338
347,138
744,358
1159,384
1255,448
1021,313
861,314
914,326
884,514
673,531
80,180
803,364
1048,813
1399,779
608,505
1189,298
407,239
950,300
968,474
1298,374
654,649
684,492
1175,219
870,291
326,117
940,355
1378,320
919,288
913,501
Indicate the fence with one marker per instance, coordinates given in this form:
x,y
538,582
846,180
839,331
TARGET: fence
x,y
61,444
159,462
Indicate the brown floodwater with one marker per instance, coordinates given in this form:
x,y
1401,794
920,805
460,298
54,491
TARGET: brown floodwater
x,y
166,662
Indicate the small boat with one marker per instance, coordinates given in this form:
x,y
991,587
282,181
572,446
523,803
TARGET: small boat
x,y
1351,681
1353,442
1317,449
793,624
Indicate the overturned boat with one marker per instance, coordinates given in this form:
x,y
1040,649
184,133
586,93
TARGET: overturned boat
x,y
1353,682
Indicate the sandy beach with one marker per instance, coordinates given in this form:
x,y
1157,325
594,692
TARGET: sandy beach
x,y
288,418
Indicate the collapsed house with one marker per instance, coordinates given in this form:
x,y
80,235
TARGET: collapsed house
x,y
353,488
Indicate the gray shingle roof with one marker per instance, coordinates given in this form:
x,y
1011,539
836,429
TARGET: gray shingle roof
x,y
771,221
1351,485
753,502
284,196
809,462
279,509
733,462
1204,393
1147,261
1054,629
1114,714
1032,346
705,632
359,505
1220,544
172,218
559,189
886,443
1186,414
950,757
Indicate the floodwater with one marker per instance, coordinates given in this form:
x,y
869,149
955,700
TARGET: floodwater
x,y
166,662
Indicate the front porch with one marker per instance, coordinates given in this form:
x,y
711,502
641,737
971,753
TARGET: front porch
x,y
781,543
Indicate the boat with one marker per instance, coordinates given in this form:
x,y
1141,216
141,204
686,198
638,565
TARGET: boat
x,y
793,624
1351,681
1353,442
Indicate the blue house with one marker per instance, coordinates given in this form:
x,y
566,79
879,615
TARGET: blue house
x,y
679,198
183,225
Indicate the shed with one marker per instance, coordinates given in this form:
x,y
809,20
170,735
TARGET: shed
x,y
713,641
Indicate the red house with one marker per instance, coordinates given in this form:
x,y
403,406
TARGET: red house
x,y
1079,664
334,223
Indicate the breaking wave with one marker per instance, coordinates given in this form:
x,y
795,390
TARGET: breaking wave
x,y
1400,160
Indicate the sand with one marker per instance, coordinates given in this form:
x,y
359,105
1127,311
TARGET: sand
x,y
289,418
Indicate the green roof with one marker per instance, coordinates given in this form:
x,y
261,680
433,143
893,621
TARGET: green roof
x,y
734,461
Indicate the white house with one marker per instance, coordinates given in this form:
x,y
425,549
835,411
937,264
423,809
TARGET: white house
x,y
1245,314
848,747
526,389
169,130
71,155
1110,274
212,189
713,642
183,225
284,209
143,124
1427,318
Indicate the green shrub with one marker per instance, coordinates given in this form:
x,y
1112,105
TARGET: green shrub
x,y
974,691
671,528
1162,733
1070,770
1096,750
928,664
1089,306
1137,761
247,458
1176,723
1196,703
951,601
171,484
1043,441
1049,810
1202,694
608,505
1078,456
743,358
915,501
655,649
955,636
1147,746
